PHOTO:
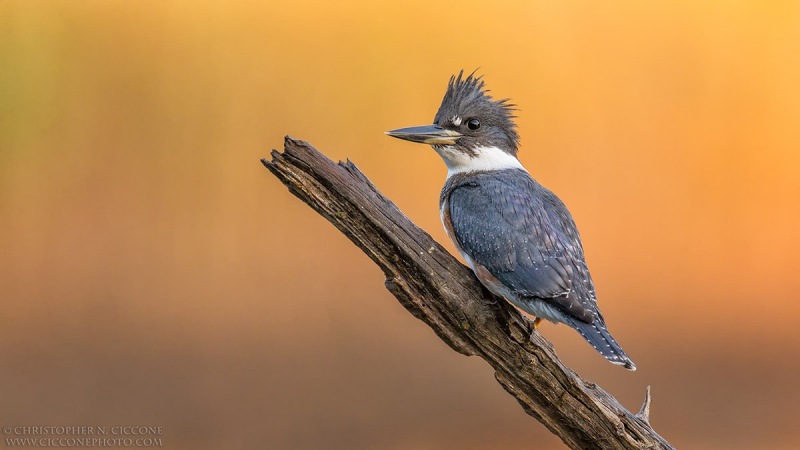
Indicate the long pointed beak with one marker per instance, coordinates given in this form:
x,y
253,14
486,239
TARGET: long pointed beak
x,y
427,134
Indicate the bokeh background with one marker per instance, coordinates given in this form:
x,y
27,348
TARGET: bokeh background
x,y
153,273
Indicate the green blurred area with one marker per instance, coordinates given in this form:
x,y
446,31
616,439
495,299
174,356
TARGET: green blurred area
x,y
153,273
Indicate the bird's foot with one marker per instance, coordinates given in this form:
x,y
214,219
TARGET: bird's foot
x,y
536,322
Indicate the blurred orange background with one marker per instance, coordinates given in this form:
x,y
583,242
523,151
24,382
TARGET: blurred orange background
x,y
154,273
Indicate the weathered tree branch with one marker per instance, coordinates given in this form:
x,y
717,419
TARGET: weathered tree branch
x,y
444,294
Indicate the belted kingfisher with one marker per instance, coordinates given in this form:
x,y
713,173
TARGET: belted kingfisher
x,y
516,235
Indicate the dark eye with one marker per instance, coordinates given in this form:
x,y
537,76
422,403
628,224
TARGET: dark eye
x,y
473,124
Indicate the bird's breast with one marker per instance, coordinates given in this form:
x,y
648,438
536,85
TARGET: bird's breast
x,y
486,278
447,222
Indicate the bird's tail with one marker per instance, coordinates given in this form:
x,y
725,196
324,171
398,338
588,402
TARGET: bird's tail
x,y
597,334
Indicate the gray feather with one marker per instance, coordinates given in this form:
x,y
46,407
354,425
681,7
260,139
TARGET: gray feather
x,y
524,236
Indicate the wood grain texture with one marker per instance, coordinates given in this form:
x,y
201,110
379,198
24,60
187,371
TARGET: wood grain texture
x,y
437,289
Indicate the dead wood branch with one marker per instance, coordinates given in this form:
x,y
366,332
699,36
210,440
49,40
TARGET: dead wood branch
x,y
444,294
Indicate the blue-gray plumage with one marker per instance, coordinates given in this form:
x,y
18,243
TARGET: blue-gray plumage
x,y
517,236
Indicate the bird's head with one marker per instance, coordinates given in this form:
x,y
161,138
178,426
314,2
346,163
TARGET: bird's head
x,y
471,131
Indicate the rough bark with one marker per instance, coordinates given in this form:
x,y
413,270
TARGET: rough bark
x,y
437,289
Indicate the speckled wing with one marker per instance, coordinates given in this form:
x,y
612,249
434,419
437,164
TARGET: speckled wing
x,y
524,236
